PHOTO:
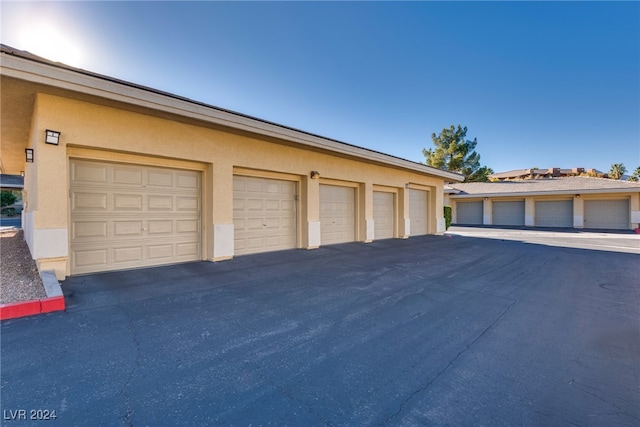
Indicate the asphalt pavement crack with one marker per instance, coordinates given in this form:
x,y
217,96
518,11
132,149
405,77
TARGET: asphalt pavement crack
x,y
451,362
123,390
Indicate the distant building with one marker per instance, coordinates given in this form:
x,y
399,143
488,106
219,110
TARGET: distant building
x,y
535,173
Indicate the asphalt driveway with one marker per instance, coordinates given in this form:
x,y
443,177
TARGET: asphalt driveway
x,y
433,330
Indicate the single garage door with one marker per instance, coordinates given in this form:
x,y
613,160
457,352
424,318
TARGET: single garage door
x,y
554,213
264,214
469,213
508,213
126,216
418,212
608,214
383,215
337,214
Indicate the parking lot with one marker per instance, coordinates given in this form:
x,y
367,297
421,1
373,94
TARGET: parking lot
x,y
459,329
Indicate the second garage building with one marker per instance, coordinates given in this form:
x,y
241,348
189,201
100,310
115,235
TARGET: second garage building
x,y
574,202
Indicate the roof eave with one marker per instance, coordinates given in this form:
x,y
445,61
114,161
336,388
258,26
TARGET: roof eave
x,y
548,193
61,76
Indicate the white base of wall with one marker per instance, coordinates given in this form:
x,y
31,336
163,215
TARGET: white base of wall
x,y
370,230
50,243
635,217
314,235
222,241
442,226
407,227
528,221
578,221
486,220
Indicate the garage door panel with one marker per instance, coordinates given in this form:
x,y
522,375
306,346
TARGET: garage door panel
x,y
158,252
160,203
264,214
469,213
121,222
127,228
612,214
127,175
83,173
163,179
89,201
418,212
508,213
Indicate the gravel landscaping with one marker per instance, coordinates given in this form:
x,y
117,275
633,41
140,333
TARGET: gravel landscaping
x,y
19,277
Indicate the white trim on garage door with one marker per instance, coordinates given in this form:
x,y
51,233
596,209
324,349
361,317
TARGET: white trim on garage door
x,y
129,216
419,212
264,214
607,214
469,213
337,214
554,213
383,215
508,212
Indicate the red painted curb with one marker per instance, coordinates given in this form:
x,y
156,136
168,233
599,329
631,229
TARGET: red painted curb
x,y
52,304
20,309
30,308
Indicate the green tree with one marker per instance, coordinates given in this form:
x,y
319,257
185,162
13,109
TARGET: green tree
x,y
7,198
617,170
636,175
454,153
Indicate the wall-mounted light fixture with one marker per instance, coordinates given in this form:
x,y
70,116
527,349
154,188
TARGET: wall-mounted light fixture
x,y
486,198
407,185
577,195
28,155
314,174
22,174
52,137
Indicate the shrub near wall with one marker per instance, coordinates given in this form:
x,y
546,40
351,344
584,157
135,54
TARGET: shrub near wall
x,y
447,217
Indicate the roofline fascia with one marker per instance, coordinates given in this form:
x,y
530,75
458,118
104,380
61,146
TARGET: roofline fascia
x,y
61,76
548,193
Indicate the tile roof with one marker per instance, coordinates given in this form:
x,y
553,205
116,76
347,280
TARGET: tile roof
x,y
564,185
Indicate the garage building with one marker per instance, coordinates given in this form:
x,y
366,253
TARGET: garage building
x,y
573,202
122,176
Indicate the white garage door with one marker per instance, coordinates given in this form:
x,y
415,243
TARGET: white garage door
x,y
337,214
508,213
125,216
608,214
383,215
264,214
418,212
554,213
469,213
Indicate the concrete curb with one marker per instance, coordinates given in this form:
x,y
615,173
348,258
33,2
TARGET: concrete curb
x,y
53,302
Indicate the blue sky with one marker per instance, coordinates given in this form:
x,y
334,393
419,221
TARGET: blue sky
x,y
538,84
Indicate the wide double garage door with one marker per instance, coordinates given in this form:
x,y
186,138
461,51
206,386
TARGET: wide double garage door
x,y
264,214
126,216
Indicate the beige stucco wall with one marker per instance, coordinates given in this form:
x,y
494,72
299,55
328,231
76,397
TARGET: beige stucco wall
x,y
106,133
